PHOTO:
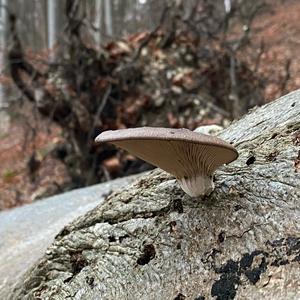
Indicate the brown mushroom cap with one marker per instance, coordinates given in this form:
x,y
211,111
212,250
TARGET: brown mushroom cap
x,y
180,152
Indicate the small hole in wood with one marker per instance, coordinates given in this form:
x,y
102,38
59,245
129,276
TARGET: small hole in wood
x,y
237,207
111,239
221,237
180,297
178,206
273,136
250,160
148,254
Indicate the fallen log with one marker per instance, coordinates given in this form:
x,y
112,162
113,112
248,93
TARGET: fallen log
x,y
152,241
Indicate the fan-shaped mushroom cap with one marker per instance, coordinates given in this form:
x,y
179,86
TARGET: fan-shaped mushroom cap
x,y
191,157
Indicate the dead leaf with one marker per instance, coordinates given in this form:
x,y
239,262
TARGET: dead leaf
x,y
112,164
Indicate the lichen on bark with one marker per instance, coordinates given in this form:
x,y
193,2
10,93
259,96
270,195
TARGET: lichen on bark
x,y
151,241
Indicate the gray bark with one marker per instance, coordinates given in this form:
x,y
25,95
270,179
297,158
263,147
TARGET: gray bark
x,y
227,5
151,241
3,32
51,18
98,22
35,226
108,17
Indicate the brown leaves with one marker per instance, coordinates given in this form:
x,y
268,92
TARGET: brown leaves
x,y
118,49
185,78
137,38
112,164
130,110
100,85
173,121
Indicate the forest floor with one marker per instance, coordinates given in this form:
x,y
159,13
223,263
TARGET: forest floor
x,y
280,32
17,185
24,178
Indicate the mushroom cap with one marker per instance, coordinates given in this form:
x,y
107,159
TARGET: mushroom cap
x,y
180,152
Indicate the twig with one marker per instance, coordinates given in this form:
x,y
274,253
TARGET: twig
x,y
213,106
234,97
258,57
99,111
286,77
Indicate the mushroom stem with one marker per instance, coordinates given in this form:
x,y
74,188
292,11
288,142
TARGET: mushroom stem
x,y
197,186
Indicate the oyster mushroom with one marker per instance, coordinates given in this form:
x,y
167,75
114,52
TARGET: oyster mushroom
x,y
191,157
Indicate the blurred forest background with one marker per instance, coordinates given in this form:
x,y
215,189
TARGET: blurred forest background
x,y
73,68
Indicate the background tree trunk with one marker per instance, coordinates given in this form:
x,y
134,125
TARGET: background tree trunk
x,y
108,17
98,23
3,39
51,20
151,241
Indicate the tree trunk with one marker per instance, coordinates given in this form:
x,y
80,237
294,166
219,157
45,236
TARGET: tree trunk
x,y
51,20
227,6
152,241
3,33
98,22
108,17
